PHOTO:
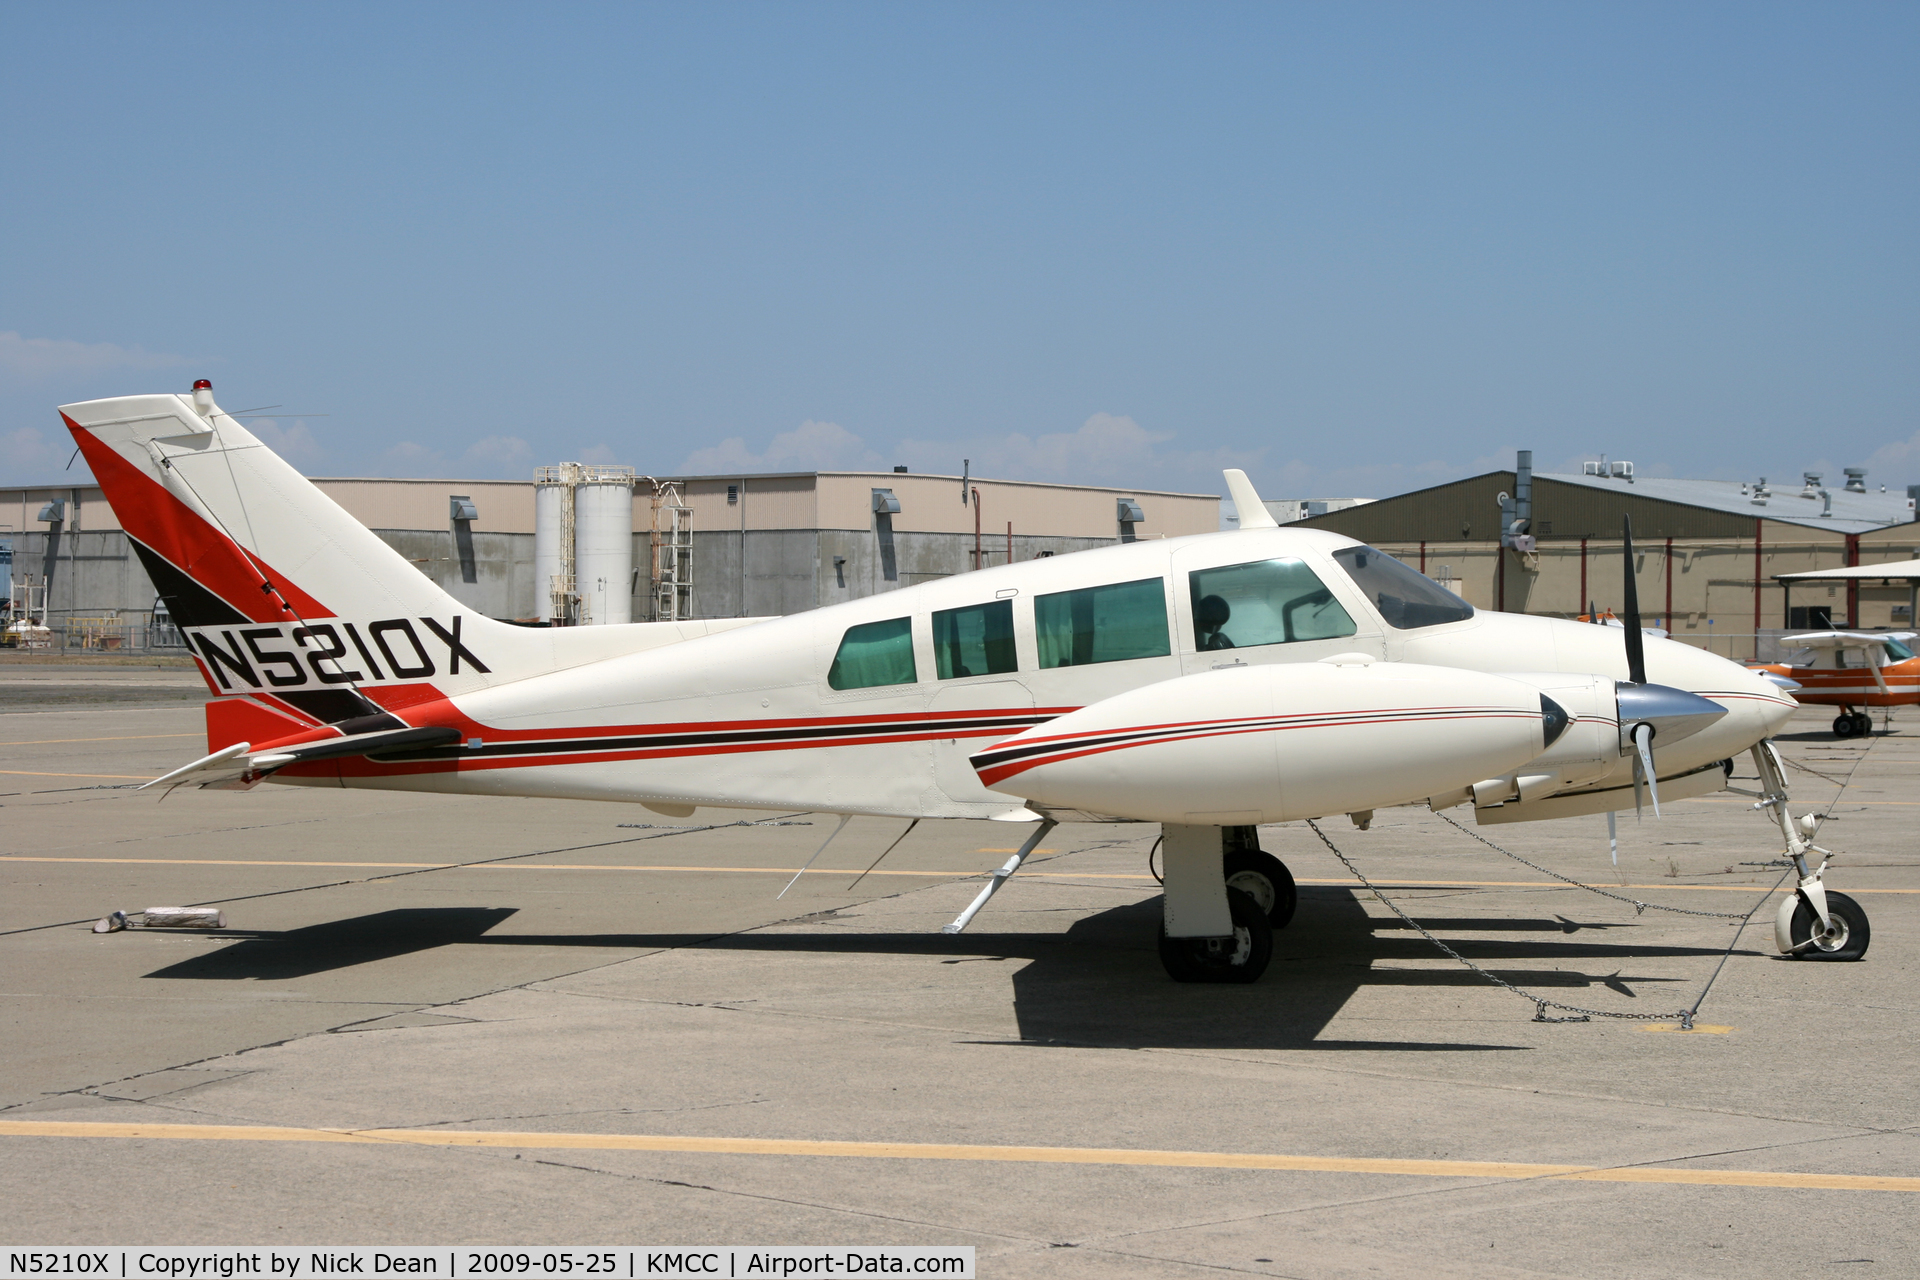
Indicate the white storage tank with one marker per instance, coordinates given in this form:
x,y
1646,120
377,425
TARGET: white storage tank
x,y
603,545
552,496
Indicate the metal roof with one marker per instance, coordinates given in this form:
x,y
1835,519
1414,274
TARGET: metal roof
x,y
1789,504
1906,570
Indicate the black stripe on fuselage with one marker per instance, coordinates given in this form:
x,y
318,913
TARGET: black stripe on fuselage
x,y
799,736
989,759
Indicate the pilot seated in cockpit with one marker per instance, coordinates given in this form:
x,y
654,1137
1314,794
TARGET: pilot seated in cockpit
x,y
1211,615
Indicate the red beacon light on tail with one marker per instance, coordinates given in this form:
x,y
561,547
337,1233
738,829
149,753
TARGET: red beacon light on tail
x,y
203,397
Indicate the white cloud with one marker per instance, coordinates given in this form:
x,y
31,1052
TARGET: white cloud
x,y
812,446
503,457
32,455
25,357
489,458
410,459
1107,448
597,454
294,443
1901,458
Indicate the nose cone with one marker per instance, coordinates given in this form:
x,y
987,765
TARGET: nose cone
x,y
1673,713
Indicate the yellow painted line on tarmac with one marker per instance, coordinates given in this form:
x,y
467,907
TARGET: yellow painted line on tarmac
x,y
1850,804
674,1143
136,737
455,866
219,862
848,871
29,773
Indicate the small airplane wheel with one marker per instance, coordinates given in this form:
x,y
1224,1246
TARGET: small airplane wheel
x,y
1241,958
1846,940
1266,880
1862,723
1845,726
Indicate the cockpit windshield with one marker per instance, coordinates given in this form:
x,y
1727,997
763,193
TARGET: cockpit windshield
x,y
1406,598
1896,651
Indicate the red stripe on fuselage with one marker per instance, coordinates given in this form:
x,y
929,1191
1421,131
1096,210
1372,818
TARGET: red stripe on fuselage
x,y
999,773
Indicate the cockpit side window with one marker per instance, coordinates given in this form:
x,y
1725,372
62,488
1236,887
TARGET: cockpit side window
x,y
1237,606
874,654
974,641
1405,597
1109,623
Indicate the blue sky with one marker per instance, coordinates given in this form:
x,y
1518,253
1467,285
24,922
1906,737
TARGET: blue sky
x,y
1355,248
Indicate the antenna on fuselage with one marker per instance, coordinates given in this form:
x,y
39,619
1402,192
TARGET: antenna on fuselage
x,y
1246,501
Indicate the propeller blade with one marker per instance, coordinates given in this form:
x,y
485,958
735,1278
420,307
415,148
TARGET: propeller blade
x,y
1643,765
1636,640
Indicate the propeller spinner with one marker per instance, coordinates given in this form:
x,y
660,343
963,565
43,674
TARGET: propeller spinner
x,y
1650,710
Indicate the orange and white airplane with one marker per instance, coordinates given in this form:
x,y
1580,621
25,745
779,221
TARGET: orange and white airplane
x,y
1850,670
1208,683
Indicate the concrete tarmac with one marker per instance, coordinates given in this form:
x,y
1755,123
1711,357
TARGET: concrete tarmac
x,y
451,1020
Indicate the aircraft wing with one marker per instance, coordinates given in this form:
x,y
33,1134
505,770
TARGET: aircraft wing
x,y
1842,639
239,767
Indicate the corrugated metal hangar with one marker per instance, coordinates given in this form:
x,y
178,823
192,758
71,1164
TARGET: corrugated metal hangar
x,y
748,545
1707,552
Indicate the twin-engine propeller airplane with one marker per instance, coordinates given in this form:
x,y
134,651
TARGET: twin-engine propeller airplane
x,y
1208,684
1850,670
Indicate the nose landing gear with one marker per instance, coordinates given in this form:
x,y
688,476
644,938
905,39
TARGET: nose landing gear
x,y
1813,924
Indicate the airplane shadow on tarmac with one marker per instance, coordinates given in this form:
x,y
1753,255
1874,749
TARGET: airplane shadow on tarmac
x,y
1099,983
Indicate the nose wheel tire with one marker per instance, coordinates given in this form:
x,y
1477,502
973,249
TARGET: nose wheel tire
x,y
1242,957
1845,939
1266,880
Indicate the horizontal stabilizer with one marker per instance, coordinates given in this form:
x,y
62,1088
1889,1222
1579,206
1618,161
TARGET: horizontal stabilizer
x,y
238,763
226,763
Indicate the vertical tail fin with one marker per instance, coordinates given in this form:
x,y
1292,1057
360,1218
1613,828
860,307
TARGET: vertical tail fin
x,y
284,596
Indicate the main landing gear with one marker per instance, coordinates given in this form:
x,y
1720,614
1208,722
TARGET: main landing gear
x,y
1812,924
1224,898
1852,724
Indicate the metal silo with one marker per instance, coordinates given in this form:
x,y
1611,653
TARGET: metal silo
x,y
603,544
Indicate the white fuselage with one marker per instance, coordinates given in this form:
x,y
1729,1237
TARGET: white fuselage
x,y
749,718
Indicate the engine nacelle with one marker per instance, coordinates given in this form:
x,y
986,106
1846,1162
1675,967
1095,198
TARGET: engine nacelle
x,y
1600,711
1272,743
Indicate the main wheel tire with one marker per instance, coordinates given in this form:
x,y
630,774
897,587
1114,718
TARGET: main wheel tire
x,y
1241,958
1848,938
1845,726
1266,880
1862,724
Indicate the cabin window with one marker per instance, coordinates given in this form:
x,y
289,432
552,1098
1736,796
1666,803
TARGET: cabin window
x,y
1405,597
874,654
975,641
1102,624
1279,601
